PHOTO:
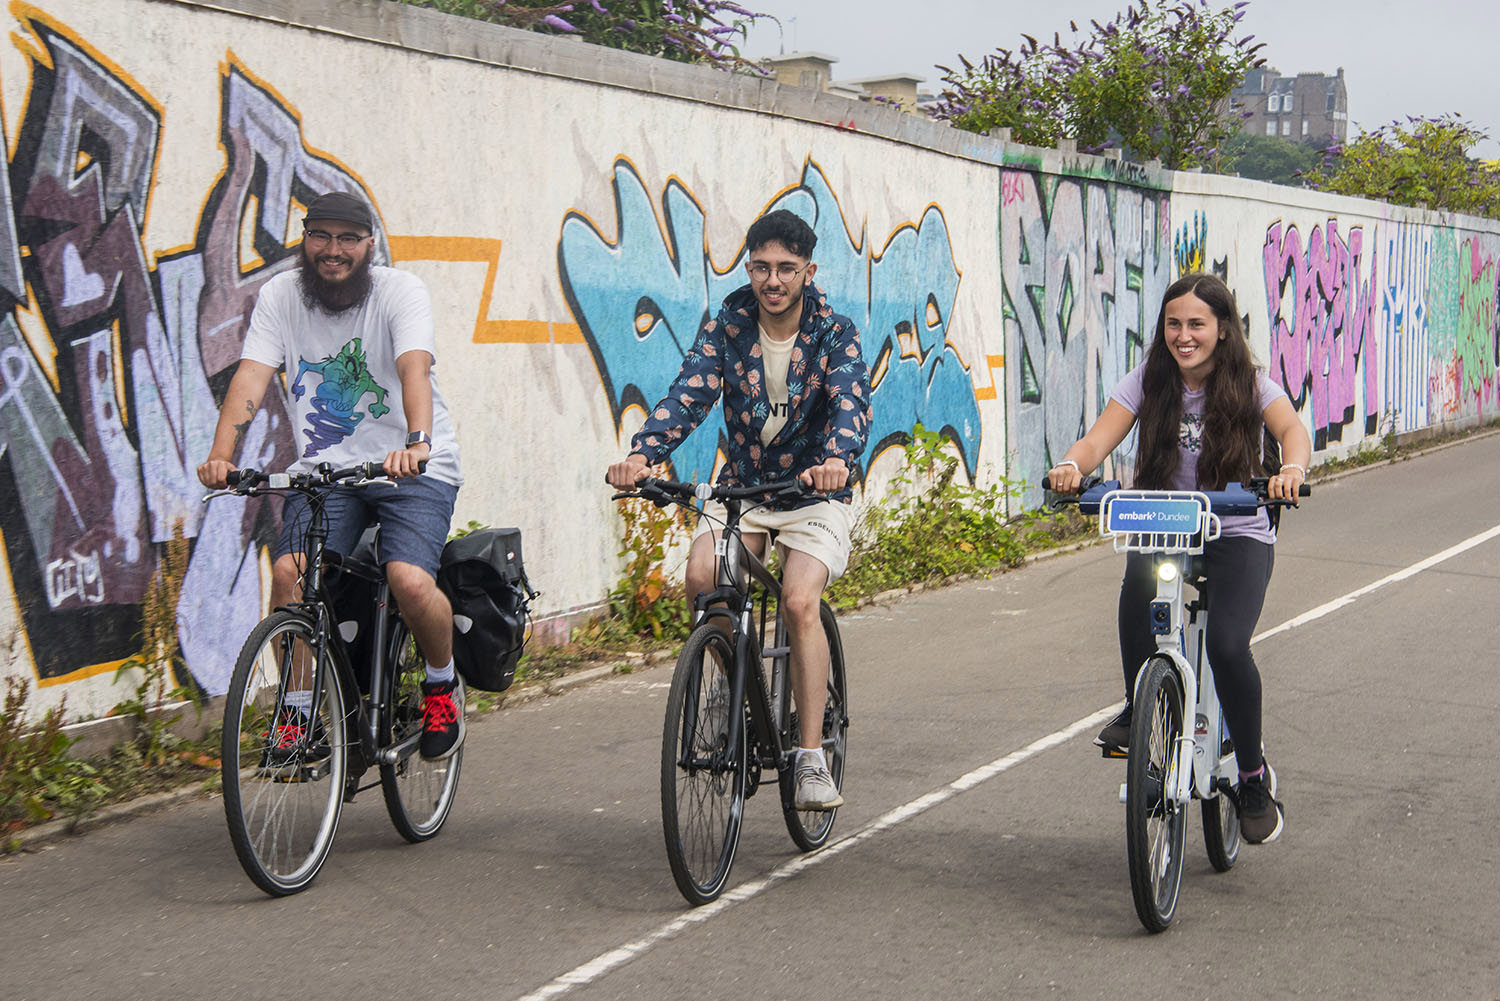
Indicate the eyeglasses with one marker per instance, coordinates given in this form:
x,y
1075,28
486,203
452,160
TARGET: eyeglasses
x,y
321,237
786,271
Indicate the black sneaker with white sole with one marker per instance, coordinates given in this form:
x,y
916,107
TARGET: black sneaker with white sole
x,y
1261,814
442,719
1115,737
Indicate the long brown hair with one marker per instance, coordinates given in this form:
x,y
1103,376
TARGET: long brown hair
x,y
1232,421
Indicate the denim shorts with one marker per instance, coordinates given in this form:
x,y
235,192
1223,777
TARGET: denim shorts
x,y
414,516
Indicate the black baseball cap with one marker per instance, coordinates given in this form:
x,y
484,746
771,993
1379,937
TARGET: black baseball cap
x,y
342,206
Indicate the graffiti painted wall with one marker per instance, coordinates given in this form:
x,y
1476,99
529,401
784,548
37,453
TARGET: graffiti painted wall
x,y
575,221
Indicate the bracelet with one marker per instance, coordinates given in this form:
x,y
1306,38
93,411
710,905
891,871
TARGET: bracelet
x,y
1293,465
1070,462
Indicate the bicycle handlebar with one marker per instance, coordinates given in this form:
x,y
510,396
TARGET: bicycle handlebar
x,y
663,491
248,479
1235,499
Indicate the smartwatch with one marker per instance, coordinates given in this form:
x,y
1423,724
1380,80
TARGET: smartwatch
x,y
418,438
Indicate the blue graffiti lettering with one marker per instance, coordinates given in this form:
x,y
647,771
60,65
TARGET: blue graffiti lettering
x,y
641,299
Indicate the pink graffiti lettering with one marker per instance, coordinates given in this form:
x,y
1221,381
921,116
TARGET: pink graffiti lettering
x,y
1323,331
1012,187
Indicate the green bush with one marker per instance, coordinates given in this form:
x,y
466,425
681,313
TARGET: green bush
x,y
37,777
935,527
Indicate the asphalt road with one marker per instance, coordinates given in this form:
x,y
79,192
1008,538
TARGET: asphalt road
x,y
982,850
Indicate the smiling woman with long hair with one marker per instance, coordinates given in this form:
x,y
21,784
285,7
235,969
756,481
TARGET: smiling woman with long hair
x,y
1202,409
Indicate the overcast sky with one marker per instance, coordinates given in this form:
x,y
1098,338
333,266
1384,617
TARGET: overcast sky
x,y
1419,57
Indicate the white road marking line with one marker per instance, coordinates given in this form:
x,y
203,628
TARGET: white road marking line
x,y
1399,575
599,966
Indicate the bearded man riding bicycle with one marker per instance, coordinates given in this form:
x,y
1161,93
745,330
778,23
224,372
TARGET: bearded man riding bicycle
x,y
356,341
796,394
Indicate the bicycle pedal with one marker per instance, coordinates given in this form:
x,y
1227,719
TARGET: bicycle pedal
x,y
1112,751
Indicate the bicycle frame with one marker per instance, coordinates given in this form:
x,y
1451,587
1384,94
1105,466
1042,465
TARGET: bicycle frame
x,y
1181,522
328,646
733,598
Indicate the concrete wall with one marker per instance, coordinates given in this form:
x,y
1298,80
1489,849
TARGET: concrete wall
x,y
575,212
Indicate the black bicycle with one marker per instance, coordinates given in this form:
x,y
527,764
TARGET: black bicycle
x,y
726,723
300,730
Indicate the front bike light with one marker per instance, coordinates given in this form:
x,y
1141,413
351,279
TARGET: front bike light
x,y
1167,571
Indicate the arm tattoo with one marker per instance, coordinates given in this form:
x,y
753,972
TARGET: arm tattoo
x,y
239,434
240,429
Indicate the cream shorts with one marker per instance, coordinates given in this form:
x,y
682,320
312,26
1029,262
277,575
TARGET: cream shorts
x,y
821,530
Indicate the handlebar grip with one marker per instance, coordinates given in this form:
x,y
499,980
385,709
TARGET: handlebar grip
x,y
421,465
1304,491
241,477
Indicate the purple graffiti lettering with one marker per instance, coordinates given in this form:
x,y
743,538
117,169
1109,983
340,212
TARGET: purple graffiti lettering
x,y
1317,351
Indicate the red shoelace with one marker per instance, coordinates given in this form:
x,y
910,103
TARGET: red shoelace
x,y
438,711
287,735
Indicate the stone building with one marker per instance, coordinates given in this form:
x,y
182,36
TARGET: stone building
x,y
1310,107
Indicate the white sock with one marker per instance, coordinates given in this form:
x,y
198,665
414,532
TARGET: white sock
x,y
815,753
440,675
300,701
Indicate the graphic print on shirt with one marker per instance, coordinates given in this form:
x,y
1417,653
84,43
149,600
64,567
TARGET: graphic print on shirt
x,y
1190,432
346,380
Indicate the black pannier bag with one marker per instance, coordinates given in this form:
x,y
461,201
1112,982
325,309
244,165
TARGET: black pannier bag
x,y
484,579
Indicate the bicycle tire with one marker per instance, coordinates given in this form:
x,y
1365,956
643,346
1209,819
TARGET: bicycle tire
x,y
702,800
1221,831
283,792
810,829
419,794
1155,827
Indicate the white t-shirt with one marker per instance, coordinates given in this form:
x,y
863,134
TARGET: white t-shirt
x,y
341,370
776,359
1129,392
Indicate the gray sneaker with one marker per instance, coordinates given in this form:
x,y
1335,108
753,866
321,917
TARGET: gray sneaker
x,y
815,788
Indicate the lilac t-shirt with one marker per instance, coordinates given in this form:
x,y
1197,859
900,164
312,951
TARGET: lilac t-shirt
x,y
1128,394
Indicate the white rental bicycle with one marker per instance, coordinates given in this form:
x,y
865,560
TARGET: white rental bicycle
x,y
1169,767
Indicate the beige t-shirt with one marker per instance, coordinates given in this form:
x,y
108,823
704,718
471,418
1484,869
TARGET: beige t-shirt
x,y
776,356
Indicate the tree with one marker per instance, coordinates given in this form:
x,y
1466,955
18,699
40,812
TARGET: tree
x,y
1156,81
692,31
1269,158
1424,161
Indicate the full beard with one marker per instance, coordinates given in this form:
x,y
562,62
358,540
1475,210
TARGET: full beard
x,y
333,297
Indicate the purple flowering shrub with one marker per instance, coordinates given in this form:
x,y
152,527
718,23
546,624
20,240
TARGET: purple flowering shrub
x,y
1422,161
1154,81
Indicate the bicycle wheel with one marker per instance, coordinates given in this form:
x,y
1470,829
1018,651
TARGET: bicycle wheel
x,y
810,828
1221,831
1155,827
418,793
702,779
283,767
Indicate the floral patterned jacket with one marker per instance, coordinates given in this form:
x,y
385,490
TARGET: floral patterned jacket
x,y
828,394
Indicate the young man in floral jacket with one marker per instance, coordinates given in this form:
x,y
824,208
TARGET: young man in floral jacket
x,y
796,396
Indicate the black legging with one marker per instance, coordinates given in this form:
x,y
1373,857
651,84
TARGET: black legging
x,y
1238,570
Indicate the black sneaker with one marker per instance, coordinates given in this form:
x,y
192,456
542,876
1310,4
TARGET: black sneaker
x,y
442,719
1116,733
1261,814
292,745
